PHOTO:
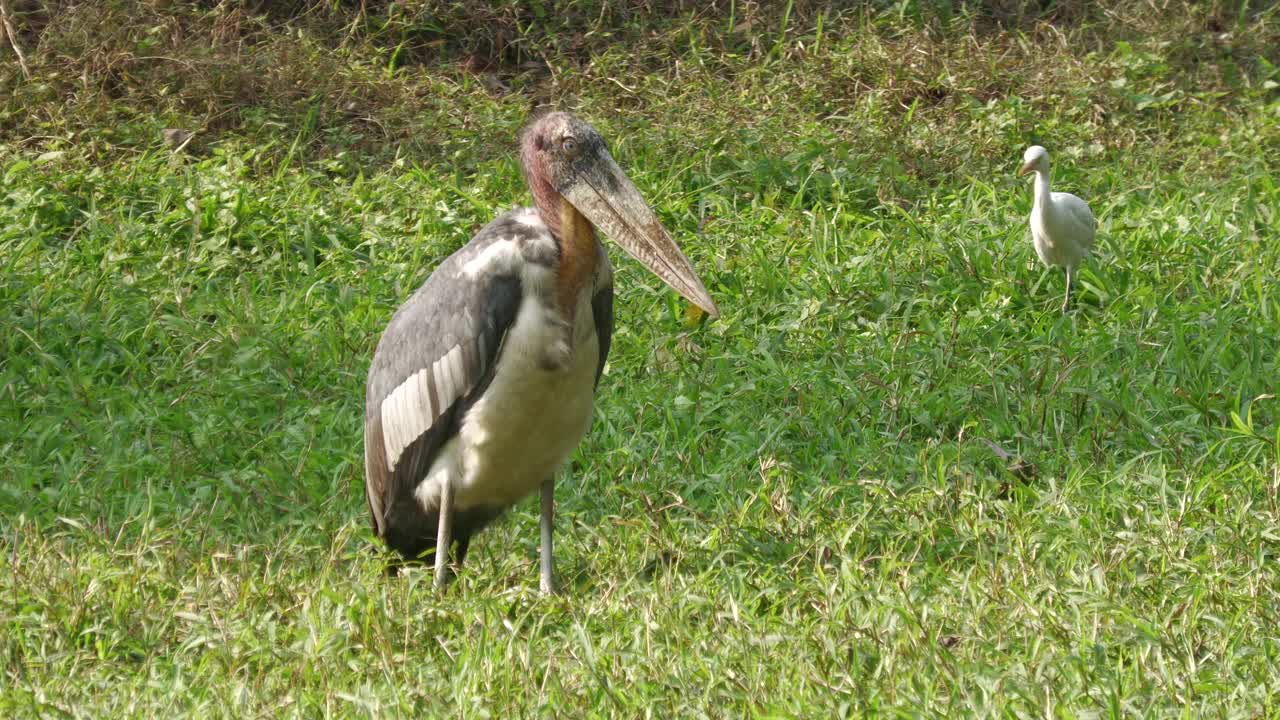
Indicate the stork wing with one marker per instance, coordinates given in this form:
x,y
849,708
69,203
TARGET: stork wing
x,y
602,314
435,358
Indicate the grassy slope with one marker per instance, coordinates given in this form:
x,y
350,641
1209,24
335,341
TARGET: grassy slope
x,y
791,508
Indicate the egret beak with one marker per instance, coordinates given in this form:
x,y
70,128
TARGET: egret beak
x,y
1025,169
606,197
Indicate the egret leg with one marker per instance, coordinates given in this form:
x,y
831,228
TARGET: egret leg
x,y
545,520
444,534
1066,302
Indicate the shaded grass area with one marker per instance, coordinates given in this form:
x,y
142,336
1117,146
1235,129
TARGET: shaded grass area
x,y
804,506
437,81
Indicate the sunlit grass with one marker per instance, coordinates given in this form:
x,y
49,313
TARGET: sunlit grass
x,y
891,478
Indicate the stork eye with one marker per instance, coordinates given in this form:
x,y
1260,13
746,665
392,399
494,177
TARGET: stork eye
x,y
569,145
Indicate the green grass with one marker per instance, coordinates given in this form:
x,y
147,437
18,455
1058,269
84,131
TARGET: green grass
x,y
793,510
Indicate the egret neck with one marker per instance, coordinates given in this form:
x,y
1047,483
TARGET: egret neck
x,y
1042,197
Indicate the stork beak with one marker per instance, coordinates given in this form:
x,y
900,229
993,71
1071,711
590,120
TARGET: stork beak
x,y
604,194
1025,169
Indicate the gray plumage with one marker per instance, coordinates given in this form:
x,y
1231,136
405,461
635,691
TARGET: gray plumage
x,y
484,381
470,311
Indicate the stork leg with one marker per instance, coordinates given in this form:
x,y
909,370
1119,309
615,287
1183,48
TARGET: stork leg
x,y
1066,302
545,520
444,534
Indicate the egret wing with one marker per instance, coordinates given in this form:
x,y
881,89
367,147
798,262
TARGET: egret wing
x,y
1079,217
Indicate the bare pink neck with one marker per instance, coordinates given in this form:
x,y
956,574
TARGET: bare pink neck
x,y
546,198
577,254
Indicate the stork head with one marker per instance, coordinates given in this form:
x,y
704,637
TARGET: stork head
x,y
1035,159
565,161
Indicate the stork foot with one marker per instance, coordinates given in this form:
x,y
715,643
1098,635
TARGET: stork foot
x,y
545,520
444,535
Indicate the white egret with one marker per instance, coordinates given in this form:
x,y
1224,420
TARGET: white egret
x,y
1062,225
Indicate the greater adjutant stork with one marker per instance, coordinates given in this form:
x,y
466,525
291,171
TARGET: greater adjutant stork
x,y
483,382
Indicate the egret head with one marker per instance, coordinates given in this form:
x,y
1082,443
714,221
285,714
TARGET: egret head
x,y
1035,159
565,161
